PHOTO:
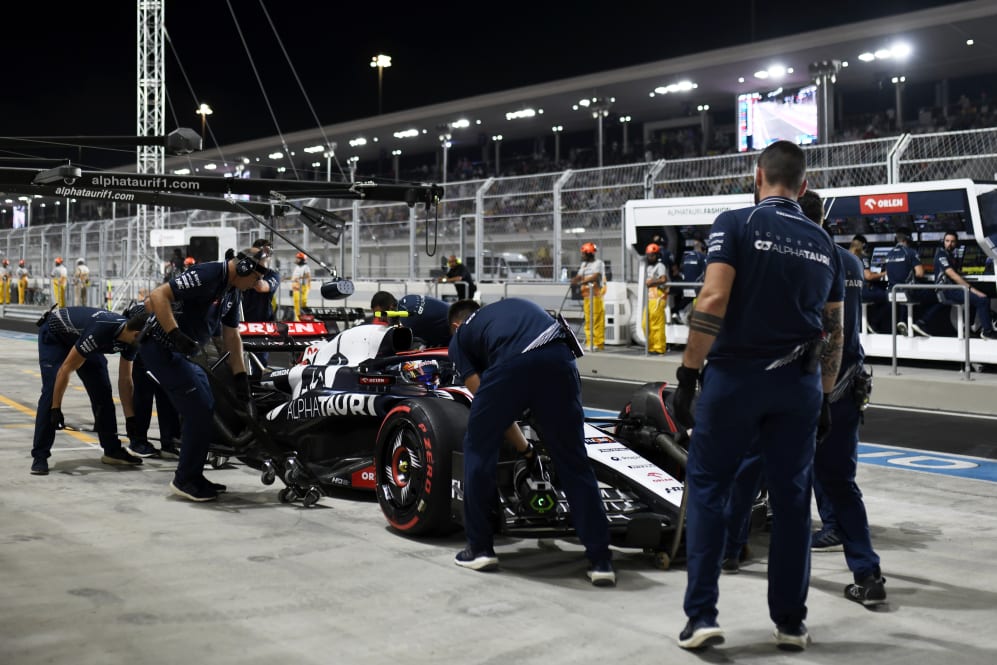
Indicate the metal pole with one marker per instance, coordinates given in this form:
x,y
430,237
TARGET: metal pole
x,y
599,120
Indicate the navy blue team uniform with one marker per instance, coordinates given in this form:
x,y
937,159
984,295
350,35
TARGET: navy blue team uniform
x,y
146,390
258,306
427,319
899,265
757,393
875,293
693,267
195,291
519,353
93,333
838,496
980,304
839,499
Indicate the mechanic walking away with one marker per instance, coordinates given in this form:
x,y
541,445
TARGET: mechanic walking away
x,y
514,356
174,337
301,283
22,282
590,276
653,321
60,279
460,277
75,339
772,295
5,283
839,498
81,282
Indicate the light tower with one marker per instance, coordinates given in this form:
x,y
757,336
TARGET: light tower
x,y
150,100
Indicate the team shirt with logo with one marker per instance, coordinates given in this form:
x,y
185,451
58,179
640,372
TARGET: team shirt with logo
x,y
787,269
90,330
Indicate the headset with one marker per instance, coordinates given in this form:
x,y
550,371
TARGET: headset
x,y
247,264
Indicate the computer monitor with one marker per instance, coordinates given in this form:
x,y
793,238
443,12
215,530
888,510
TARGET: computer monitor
x,y
878,257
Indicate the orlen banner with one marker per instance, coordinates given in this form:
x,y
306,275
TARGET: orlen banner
x,y
883,203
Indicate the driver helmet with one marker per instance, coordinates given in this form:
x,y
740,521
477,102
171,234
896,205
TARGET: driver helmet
x,y
653,249
21,263
300,258
589,248
58,260
189,261
423,372
6,262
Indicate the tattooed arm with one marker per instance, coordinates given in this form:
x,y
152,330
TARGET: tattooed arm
x,y
708,317
830,361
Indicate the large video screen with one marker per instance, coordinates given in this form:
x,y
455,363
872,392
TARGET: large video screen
x,y
763,118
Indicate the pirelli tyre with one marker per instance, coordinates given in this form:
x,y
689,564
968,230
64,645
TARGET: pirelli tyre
x,y
412,464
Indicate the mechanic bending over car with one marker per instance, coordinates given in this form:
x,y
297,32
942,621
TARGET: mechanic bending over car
x,y
145,391
513,356
769,320
75,339
427,317
845,523
177,335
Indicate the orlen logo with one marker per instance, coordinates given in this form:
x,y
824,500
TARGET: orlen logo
x,y
363,478
883,203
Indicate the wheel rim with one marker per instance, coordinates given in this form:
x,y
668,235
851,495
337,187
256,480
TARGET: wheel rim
x,y
403,468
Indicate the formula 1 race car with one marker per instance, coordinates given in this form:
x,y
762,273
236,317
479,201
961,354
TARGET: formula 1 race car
x,y
362,411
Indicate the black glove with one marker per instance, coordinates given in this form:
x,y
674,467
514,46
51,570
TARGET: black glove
x,y
56,419
684,394
824,423
243,395
242,392
132,431
182,343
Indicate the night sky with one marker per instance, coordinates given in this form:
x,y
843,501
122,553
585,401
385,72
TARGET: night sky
x,y
70,68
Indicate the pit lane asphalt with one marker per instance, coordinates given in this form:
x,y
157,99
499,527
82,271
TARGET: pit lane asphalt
x,y
101,565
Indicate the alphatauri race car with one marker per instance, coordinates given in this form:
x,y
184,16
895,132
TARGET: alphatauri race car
x,y
362,411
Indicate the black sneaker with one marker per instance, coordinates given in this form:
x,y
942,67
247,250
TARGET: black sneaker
x,y
870,592
826,540
730,566
701,633
193,491
791,638
39,467
602,574
143,449
120,457
171,447
988,334
217,487
483,560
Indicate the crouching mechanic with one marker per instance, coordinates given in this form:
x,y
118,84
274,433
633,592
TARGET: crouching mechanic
x,y
75,339
514,356
184,319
